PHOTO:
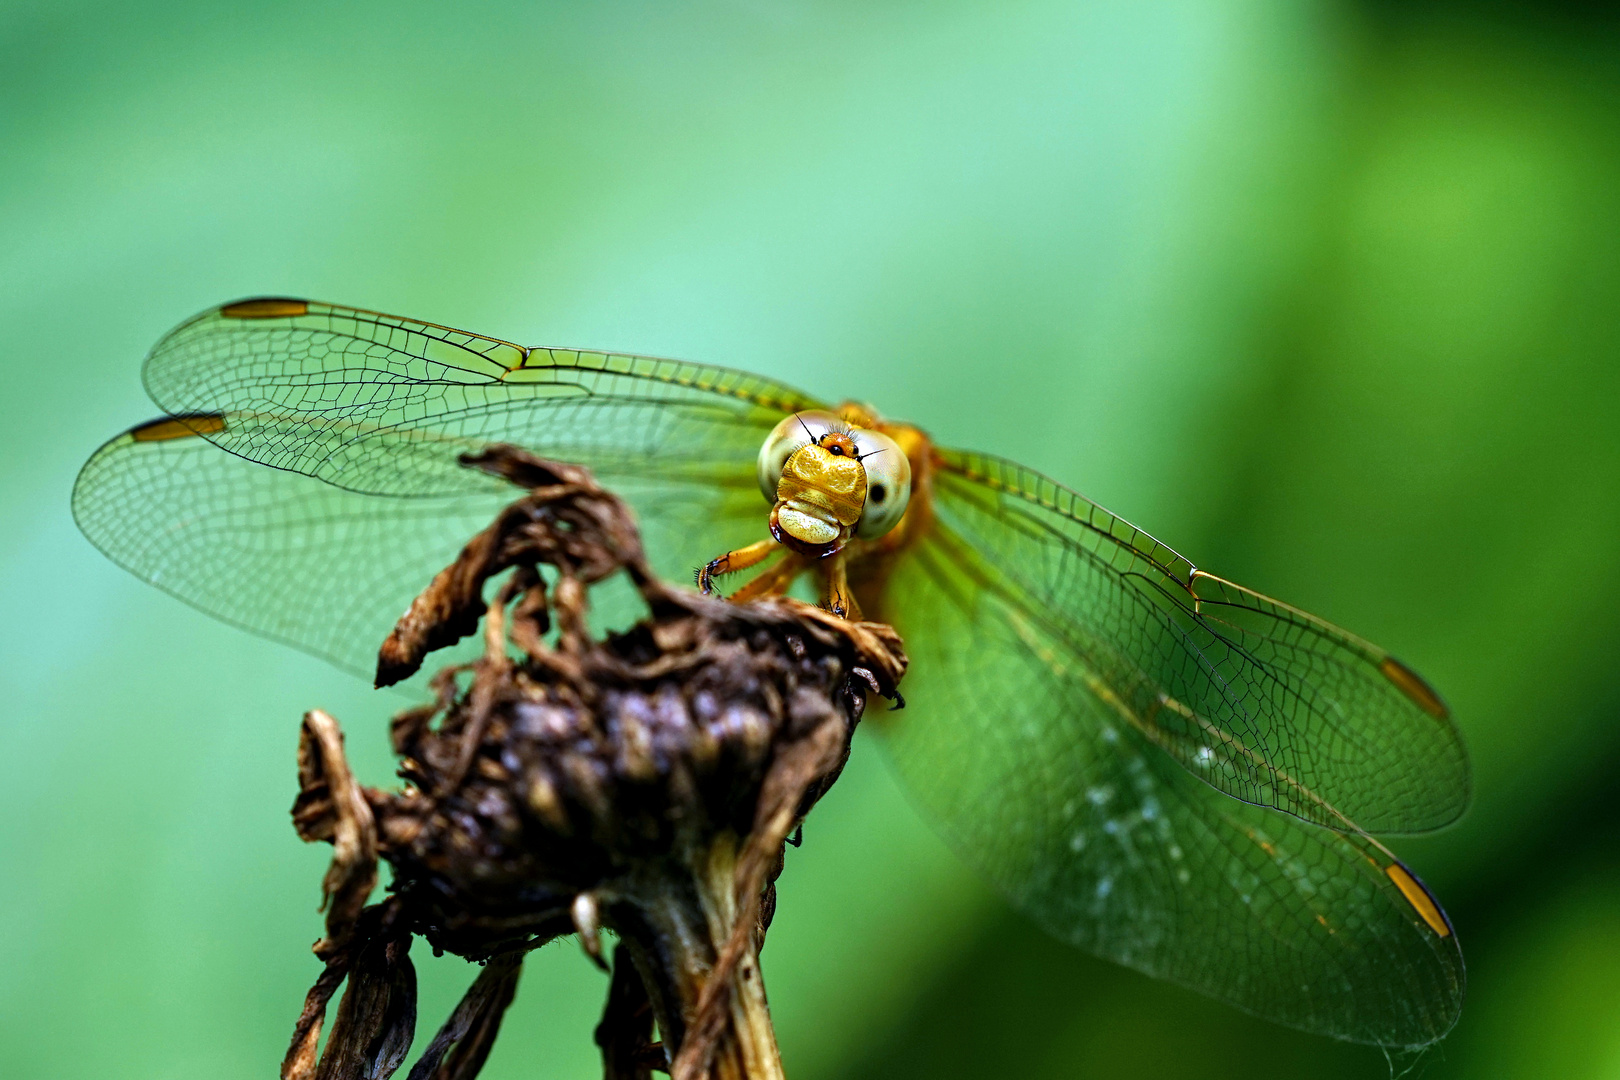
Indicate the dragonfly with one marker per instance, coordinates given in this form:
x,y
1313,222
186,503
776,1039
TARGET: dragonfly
x,y
1155,764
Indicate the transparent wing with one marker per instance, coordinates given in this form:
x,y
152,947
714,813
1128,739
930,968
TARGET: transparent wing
x,y
383,405
1048,782
274,552
361,419
1261,700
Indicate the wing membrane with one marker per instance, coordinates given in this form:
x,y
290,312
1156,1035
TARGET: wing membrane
x,y
382,405
1261,700
1042,777
275,552
361,418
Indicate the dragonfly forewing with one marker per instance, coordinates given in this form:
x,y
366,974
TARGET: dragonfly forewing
x,y
383,405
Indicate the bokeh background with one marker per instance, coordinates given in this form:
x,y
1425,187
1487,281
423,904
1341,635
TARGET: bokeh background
x,y
1324,293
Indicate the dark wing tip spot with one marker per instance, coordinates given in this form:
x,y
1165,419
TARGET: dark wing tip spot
x,y
178,427
1414,687
265,307
1422,900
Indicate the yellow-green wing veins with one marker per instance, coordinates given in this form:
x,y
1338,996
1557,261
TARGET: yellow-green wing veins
x,y
276,552
1261,700
307,484
382,404
1046,780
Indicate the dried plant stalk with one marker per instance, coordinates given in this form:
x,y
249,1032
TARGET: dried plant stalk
x,y
644,784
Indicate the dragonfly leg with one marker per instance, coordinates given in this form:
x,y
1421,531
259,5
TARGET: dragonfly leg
x,y
732,561
837,597
774,581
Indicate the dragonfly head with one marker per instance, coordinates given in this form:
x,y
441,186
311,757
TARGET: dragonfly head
x,y
830,481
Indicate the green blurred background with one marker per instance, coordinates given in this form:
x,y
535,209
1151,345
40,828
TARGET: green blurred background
x,y
1325,294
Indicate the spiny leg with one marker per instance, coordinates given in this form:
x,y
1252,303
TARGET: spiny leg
x,y
732,561
837,597
775,581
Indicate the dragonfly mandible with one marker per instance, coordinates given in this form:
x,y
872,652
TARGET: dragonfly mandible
x,y
1156,764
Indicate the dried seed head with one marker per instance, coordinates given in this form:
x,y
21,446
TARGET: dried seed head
x,y
643,784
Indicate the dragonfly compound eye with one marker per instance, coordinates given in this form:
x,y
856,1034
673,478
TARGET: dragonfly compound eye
x,y
888,483
793,432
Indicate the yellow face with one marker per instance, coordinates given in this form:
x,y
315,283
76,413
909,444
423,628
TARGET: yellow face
x,y
829,481
822,492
